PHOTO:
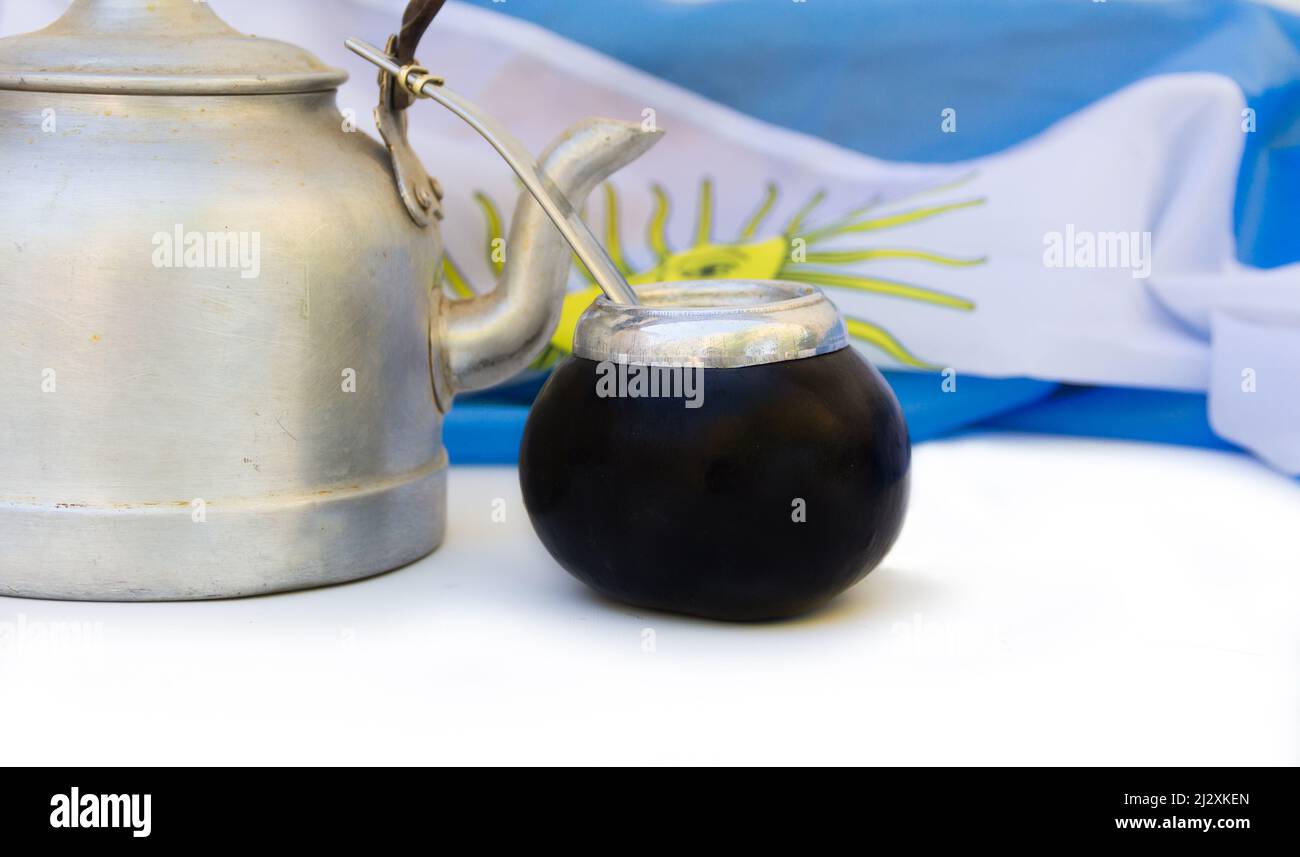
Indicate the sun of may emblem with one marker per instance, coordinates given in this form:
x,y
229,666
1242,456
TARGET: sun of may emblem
x,y
798,253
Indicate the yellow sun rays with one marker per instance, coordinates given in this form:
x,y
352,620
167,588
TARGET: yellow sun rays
x,y
496,234
704,215
613,239
902,218
657,229
796,223
764,209
879,286
840,257
786,256
454,279
885,341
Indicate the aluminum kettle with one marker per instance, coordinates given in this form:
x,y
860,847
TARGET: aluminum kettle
x,y
224,353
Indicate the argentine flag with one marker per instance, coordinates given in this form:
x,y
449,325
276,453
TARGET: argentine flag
x,y
1049,215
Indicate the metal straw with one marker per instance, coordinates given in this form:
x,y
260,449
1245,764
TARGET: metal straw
x,y
548,196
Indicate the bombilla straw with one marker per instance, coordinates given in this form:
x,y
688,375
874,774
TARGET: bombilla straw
x,y
548,196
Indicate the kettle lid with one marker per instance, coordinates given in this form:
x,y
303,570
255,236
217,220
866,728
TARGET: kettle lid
x,y
156,47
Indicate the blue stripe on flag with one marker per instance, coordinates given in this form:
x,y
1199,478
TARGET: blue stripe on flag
x,y
873,75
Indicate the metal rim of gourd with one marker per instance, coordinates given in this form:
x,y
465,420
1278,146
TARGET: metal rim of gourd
x,y
712,324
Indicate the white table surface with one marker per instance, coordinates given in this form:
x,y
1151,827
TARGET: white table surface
x,y
1050,601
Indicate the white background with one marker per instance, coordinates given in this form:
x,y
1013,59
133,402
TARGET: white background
x,y
1050,601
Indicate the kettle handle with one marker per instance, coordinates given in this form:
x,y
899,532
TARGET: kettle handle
x,y
420,192
416,20
417,80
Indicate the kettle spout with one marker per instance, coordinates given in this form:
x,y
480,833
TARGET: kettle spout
x,y
489,338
